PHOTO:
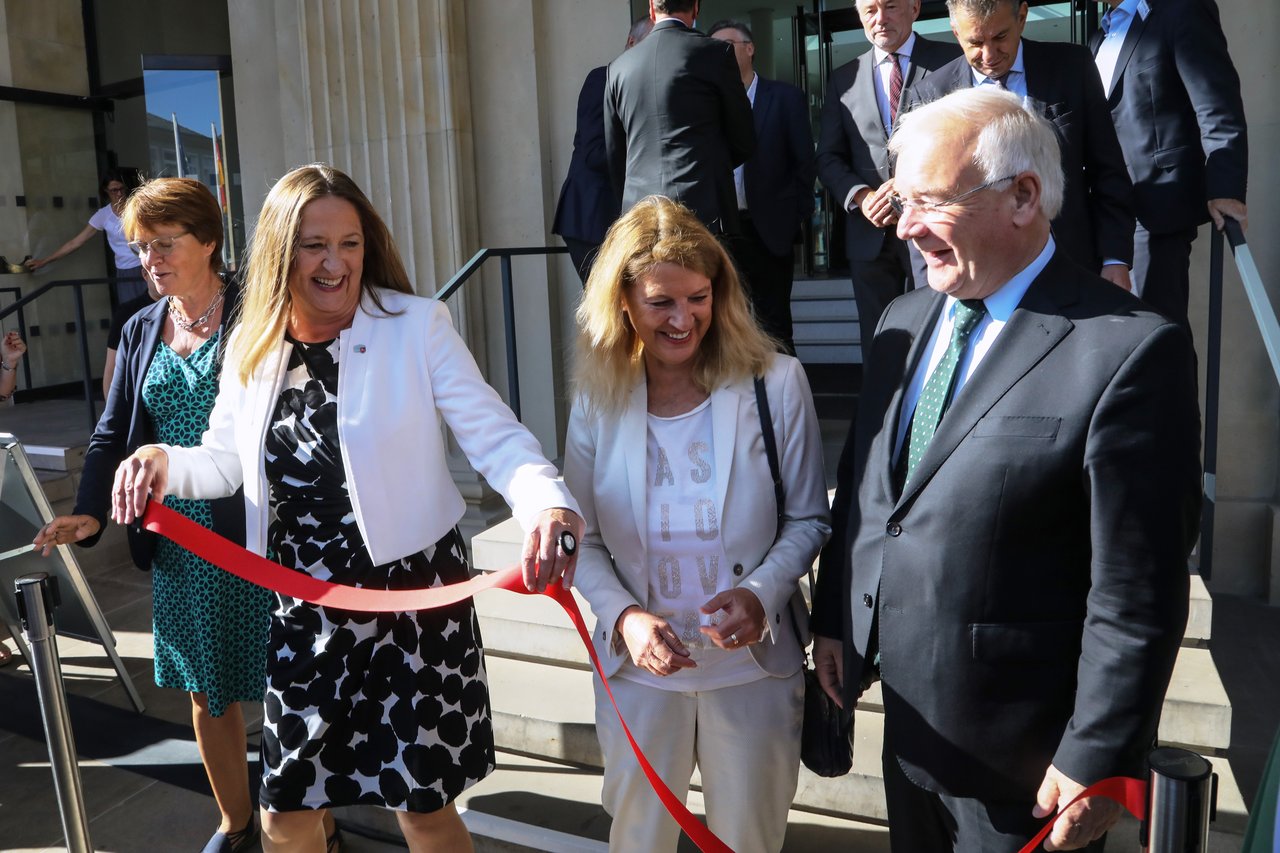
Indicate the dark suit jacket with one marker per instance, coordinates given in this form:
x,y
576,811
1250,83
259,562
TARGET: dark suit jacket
x,y
587,205
677,121
125,426
852,142
1030,585
779,177
1177,111
1096,221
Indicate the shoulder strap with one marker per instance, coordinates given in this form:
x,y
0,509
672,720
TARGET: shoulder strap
x,y
770,448
771,451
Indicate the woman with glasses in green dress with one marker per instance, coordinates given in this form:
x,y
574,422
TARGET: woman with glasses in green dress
x,y
210,627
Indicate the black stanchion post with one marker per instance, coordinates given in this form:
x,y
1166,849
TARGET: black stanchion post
x,y
37,598
1180,795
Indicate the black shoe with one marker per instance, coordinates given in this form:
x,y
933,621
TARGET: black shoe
x,y
233,842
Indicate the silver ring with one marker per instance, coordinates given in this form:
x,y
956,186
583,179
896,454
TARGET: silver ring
x,y
568,543
733,638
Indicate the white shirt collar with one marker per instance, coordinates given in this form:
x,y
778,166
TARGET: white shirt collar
x,y
904,50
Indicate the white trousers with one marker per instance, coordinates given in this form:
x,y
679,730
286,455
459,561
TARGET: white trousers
x,y
744,740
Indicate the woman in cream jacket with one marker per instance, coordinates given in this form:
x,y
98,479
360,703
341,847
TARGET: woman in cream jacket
x,y
694,586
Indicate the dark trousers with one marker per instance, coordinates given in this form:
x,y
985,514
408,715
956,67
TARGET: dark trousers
x,y
878,282
768,279
583,255
1162,271
921,820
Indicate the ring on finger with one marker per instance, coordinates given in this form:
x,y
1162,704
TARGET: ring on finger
x,y
733,638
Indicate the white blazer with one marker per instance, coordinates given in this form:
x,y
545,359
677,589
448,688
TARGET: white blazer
x,y
399,373
604,466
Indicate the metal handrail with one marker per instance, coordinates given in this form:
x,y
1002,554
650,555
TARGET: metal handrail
x,y
1265,315
77,284
469,269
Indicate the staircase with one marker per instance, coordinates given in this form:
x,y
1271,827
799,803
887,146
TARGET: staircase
x,y
543,707
825,320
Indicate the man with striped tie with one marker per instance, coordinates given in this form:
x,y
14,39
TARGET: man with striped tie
x,y
859,110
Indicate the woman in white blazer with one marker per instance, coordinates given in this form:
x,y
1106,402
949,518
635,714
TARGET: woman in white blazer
x,y
329,415
693,583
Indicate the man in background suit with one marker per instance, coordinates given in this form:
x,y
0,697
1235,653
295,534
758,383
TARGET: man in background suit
x,y
774,187
676,119
1015,503
1175,100
587,205
1095,227
860,107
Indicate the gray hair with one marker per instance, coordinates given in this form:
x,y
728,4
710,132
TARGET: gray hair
x,y
1012,137
980,9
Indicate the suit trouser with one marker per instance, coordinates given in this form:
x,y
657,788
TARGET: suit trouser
x,y
878,282
1162,271
768,279
921,820
745,741
583,255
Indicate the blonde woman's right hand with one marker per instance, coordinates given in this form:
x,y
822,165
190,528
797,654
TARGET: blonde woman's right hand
x,y
63,530
144,474
652,643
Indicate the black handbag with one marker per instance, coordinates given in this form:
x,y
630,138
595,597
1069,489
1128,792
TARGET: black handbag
x,y
826,734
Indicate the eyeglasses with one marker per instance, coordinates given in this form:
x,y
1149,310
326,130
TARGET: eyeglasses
x,y
162,246
114,190
931,208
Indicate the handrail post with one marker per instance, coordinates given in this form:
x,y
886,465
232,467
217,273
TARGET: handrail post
x,y
509,324
84,358
1213,367
37,596
1181,790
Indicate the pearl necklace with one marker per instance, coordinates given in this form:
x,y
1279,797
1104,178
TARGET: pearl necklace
x,y
201,322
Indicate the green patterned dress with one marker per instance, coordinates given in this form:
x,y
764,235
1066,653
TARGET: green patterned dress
x,y
210,627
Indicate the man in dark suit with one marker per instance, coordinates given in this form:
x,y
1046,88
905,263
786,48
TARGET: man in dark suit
x,y
1095,227
1175,100
774,187
676,119
1015,504
861,104
587,205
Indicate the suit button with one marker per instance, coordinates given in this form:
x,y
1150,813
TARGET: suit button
x,y
777,618
893,528
737,568
866,599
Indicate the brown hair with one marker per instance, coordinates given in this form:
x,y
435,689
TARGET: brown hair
x,y
176,201
610,355
272,254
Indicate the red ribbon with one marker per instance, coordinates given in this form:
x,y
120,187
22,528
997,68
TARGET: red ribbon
x,y
1128,792
229,557
226,555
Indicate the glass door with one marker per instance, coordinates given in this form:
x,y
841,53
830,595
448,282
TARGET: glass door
x,y
191,132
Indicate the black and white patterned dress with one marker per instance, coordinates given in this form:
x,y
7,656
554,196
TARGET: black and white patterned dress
x,y
388,709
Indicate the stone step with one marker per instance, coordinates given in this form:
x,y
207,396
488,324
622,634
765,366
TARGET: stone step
x,y
832,289
534,652
547,712
828,353
54,457
808,310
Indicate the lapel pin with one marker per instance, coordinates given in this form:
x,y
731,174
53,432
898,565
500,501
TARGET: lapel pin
x,y
359,347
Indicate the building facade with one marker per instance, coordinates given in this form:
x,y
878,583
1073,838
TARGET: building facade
x,y
457,119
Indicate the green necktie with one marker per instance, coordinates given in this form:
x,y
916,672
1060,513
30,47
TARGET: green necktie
x,y
938,389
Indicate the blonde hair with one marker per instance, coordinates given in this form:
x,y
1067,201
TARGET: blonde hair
x,y
610,355
272,254
176,201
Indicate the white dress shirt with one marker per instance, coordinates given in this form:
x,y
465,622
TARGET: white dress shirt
x,y
1000,307
1115,24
